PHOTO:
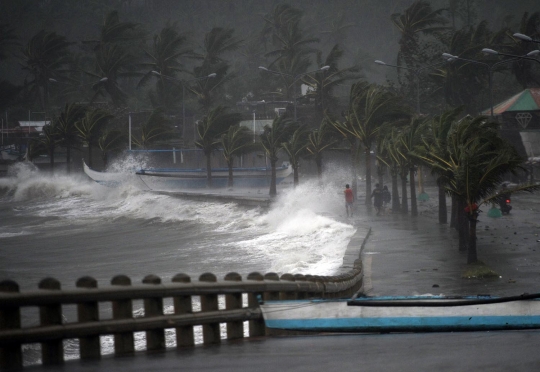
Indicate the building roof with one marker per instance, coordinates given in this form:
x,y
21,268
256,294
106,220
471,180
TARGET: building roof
x,y
36,125
527,100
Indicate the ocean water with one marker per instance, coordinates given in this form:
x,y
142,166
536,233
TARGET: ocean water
x,y
66,227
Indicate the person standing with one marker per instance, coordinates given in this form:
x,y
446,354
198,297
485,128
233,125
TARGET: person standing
x,y
349,200
377,196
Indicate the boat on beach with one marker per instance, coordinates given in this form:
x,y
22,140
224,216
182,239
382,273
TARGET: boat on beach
x,y
172,179
405,314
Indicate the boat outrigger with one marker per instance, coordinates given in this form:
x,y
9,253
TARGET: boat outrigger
x,y
405,314
172,179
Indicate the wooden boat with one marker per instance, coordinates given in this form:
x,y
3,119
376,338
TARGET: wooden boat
x,y
405,314
172,179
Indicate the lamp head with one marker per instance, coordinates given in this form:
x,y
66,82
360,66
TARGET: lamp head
x,y
449,56
156,73
489,51
324,68
517,35
380,63
263,68
212,75
53,80
102,80
533,53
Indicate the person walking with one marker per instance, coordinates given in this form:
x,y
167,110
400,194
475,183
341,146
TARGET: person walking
x,y
349,200
377,196
387,196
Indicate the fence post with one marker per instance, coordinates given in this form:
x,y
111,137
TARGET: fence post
x,y
182,305
155,338
234,301
256,327
90,347
10,318
211,332
287,295
52,352
123,309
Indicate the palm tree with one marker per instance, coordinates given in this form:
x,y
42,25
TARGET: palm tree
x,y
45,56
411,138
370,107
295,148
235,142
210,129
272,139
435,139
169,47
90,128
324,83
156,128
66,130
277,22
218,42
319,140
46,143
388,152
110,141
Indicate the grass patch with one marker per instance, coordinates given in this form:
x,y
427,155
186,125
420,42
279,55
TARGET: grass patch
x,y
479,270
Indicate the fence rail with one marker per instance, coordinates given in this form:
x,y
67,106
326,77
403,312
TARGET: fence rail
x,y
87,297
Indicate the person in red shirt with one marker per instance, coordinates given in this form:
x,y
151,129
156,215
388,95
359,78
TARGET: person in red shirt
x,y
349,200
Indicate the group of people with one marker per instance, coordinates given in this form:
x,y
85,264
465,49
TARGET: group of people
x,y
381,197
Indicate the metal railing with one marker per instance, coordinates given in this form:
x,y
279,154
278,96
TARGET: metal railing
x,y
50,299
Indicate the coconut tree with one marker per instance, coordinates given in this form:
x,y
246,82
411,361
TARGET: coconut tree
x,y
235,142
157,127
46,143
272,139
168,49
411,138
66,130
371,106
319,140
45,57
524,70
295,148
210,130
90,128
389,154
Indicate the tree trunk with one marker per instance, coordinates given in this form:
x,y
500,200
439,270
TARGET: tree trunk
x,y
354,181
380,173
295,176
404,201
68,159
453,216
89,155
318,161
273,188
414,204
472,254
368,176
395,193
230,181
463,226
208,171
51,160
443,213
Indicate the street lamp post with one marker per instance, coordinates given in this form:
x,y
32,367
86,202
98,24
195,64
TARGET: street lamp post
x,y
183,83
526,38
527,56
295,79
417,73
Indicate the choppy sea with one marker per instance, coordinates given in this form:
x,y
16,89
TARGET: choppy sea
x,y
66,227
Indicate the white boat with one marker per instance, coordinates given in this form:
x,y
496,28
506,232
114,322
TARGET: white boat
x,y
405,314
172,179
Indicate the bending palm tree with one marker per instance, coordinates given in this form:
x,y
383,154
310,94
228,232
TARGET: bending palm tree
x,y
295,148
272,140
235,142
90,128
318,141
68,135
210,129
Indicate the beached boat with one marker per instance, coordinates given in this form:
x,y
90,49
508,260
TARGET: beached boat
x,y
405,314
171,179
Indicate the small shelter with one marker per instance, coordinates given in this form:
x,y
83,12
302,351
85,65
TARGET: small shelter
x,y
519,116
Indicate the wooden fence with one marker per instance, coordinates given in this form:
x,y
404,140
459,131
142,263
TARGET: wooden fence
x,y
87,297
